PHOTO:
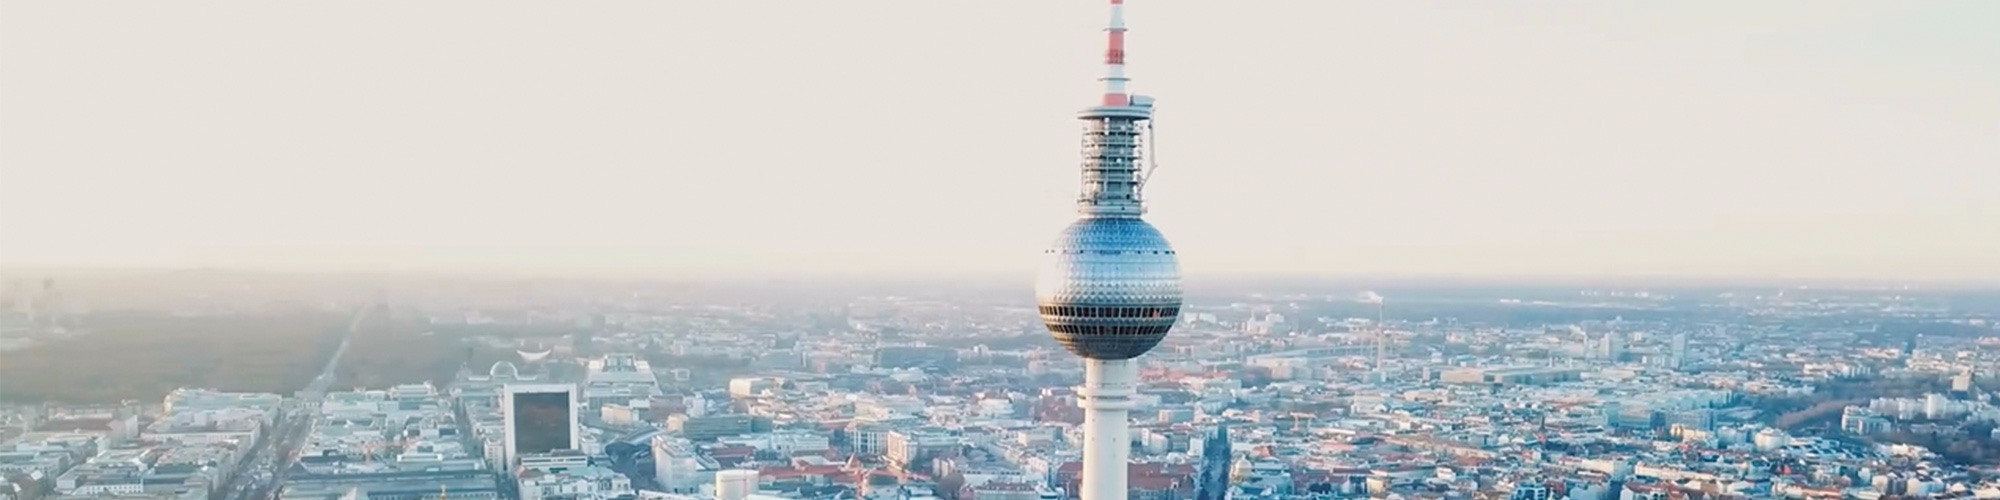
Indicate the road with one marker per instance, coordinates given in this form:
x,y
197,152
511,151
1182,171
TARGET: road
x,y
317,389
265,470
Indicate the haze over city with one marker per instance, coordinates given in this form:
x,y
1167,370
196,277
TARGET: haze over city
x,y
989,250
1841,140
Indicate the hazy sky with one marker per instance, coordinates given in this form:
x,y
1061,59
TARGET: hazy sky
x,y
1804,138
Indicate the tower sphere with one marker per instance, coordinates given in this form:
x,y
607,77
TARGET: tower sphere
x,y
1109,287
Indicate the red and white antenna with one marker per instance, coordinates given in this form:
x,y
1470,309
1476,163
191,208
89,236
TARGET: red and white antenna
x,y
1115,93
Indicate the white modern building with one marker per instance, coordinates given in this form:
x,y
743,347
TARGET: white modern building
x,y
587,483
735,484
750,387
782,442
619,379
679,468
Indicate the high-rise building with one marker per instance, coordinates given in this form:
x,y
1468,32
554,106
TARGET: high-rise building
x,y
539,418
1613,348
1213,483
1677,351
1110,287
1861,420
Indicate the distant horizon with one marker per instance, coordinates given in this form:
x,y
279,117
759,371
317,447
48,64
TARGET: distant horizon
x,y
1000,279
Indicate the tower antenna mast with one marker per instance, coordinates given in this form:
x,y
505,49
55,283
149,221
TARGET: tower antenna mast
x,y
1115,93
1381,335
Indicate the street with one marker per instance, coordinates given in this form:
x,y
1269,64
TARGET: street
x,y
264,471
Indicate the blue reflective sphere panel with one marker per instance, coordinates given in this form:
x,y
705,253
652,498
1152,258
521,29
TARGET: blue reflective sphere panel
x,y
1109,288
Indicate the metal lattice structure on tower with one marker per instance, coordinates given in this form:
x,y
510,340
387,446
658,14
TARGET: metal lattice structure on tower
x,y
1110,288
1110,284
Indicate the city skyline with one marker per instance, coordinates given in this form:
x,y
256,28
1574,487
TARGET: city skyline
x,y
860,251
1785,140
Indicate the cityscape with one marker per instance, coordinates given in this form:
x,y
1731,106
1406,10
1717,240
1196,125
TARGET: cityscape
x,y
626,391
1126,366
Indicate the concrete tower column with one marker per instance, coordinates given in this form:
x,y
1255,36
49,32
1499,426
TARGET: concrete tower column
x,y
1106,398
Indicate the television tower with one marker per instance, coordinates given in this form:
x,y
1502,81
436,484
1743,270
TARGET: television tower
x,y
1110,286
1381,330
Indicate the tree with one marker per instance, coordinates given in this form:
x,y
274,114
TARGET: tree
x,y
143,356
950,484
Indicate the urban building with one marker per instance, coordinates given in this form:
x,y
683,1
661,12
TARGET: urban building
x,y
710,427
678,467
894,357
540,418
1510,376
584,483
735,484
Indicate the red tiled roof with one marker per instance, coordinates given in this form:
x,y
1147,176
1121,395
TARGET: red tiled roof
x,y
1159,482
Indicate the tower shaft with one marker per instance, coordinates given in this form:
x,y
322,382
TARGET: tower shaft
x,y
1381,337
1106,398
